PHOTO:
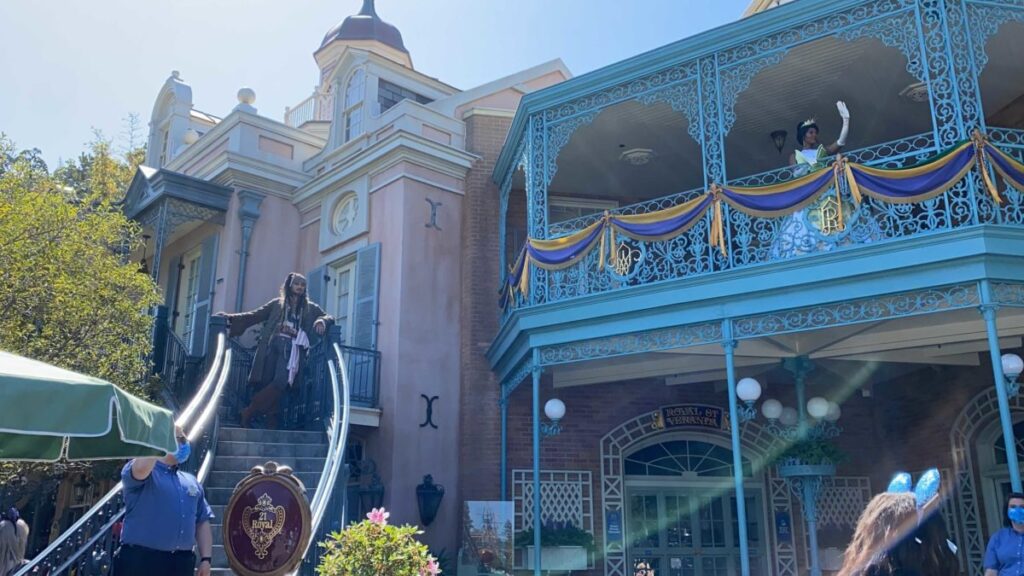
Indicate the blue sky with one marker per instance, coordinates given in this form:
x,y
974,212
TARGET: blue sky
x,y
69,66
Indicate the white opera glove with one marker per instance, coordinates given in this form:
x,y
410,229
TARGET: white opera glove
x,y
844,113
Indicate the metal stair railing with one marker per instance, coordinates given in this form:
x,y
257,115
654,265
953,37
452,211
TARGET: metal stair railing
x,y
86,548
329,490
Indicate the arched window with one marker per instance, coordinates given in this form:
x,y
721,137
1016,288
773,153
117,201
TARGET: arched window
x,y
683,457
353,115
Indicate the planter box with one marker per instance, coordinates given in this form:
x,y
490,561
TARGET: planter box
x,y
794,470
559,558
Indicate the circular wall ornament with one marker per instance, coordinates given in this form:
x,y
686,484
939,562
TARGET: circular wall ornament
x,y
345,211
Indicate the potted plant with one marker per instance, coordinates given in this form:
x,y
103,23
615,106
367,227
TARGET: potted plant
x,y
809,457
375,548
564,546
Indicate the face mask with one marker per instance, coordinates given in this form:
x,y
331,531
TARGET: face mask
x,y
1016,515
184,450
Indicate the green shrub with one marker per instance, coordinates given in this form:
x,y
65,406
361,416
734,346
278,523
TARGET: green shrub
x,y
375,548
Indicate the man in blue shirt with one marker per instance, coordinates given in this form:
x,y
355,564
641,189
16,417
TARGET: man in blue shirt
x,y
166,515
1005,553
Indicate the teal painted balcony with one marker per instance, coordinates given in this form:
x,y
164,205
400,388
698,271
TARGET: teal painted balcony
x,y
722,110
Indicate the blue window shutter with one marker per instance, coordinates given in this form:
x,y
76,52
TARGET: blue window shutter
x,y
204,295
367,288
317,289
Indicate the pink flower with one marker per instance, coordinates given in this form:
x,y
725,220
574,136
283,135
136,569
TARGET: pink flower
x,y
378,516
432,568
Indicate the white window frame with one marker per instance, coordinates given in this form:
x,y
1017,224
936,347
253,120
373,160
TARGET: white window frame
x,y
352,108
335,271
191,263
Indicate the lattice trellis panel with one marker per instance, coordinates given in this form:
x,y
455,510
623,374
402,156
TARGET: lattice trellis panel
x,y
840,502
785,551
565,496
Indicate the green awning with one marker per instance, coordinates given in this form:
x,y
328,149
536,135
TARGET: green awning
x,y
49,413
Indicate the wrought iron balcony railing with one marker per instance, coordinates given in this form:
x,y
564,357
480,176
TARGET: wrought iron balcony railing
x,y
752,240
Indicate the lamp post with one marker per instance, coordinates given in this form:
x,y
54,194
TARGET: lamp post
x,y
791,425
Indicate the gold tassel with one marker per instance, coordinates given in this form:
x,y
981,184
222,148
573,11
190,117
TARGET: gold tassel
x,y
524,278
982,163
852,183
600,255
613,252
839,197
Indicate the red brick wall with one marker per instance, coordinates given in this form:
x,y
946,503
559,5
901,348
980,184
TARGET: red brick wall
x,y
479,416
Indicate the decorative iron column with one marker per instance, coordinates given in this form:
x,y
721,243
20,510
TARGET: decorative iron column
x,y
988,312
729,344
503,402
536,372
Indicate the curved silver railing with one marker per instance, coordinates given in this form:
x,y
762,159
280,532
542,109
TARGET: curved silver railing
x,y
338,434
79,539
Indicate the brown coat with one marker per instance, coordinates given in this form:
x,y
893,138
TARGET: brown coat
x,y
270,315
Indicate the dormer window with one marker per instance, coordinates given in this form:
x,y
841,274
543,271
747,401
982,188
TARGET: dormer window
x,y
353,115
389,94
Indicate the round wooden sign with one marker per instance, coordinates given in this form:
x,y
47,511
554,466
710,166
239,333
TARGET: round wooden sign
x,y
267,522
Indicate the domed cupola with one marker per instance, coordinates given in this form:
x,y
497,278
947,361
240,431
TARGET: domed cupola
x,y
366,25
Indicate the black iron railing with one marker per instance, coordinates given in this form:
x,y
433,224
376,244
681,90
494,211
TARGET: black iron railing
x,y
308,404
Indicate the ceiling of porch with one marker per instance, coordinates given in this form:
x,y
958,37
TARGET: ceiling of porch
x,y
906,344
865,73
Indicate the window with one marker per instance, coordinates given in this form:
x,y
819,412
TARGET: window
x,y
561,209
389,94
185,306
353,116
340,297
163,146
345,212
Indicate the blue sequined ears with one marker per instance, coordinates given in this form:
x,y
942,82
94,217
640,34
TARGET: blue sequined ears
x,y
926,489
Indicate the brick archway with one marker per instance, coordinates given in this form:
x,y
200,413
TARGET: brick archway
x,y
756,444
977,414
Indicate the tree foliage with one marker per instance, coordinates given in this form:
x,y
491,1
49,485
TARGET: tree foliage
x,y
68,295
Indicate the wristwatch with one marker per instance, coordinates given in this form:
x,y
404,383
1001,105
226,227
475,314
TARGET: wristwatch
x,y
206,559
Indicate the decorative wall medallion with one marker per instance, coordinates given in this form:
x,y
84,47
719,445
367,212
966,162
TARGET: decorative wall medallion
x,y
429,421
267,523
345,212
433,213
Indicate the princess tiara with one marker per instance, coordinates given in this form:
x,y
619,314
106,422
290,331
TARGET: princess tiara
x,y
808,122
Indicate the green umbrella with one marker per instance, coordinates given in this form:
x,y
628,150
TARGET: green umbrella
x,y
49,413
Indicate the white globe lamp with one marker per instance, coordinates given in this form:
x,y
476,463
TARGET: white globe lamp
x,y
554,409
834,412
1012,366
771,409
788,416
748,390
817,407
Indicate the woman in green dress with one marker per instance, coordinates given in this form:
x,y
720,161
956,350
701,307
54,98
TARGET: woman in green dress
x,y
811,155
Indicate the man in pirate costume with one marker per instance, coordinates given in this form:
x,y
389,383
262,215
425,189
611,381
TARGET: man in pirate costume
x,y
288,321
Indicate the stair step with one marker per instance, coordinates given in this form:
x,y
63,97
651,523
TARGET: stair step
x,y
231,479
270,450
246,463
270,436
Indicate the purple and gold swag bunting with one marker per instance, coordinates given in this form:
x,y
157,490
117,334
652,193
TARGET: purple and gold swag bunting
x,y
900,185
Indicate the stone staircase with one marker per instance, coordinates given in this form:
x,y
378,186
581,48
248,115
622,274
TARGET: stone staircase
x,y
238,450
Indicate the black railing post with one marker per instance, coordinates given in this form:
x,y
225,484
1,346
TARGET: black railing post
x,y
218,325
160,328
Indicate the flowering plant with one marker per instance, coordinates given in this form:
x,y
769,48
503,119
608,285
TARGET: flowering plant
x,y
375,548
